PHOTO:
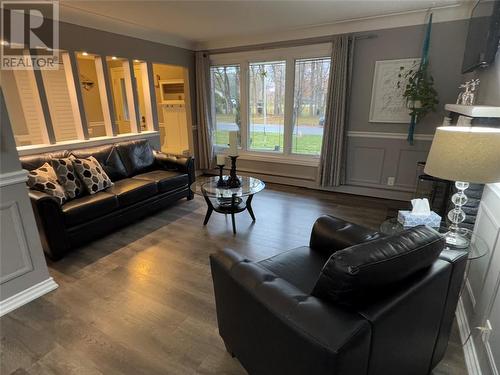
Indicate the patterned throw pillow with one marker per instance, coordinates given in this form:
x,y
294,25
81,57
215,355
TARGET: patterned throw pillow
x,y
91,174
67,177
44,179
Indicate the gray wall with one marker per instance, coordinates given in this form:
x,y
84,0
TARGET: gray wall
x,y
22,263
446,53
9,160
371,160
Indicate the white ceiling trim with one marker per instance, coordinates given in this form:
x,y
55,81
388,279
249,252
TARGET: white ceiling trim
x,y
411,18
73,14
83,17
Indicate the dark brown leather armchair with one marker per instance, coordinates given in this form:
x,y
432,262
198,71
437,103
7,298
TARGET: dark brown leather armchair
x,y
289,314
144,181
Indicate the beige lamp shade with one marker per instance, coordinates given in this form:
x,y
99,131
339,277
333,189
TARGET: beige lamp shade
x,y
468,154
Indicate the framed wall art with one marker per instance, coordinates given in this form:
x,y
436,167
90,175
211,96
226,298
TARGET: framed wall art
x,y
389,82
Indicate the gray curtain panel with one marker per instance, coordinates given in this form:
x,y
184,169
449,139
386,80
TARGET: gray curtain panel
x,y
204,112
332,161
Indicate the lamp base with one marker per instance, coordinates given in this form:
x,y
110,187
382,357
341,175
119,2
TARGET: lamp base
x,y
456,240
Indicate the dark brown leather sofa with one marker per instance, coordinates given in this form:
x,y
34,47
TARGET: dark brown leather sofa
x,y
278,318
144,181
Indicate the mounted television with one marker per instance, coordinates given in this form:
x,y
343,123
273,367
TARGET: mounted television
x,y
483,37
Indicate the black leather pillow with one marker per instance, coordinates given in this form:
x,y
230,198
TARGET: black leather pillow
x,y
357,274
109,159
137,156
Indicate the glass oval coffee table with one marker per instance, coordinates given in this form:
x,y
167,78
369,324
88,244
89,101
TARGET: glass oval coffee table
x,y
227,200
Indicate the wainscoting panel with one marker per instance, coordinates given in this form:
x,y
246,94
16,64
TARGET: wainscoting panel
x,y
484,281
23,271
366,165
405,175
372,160
14,243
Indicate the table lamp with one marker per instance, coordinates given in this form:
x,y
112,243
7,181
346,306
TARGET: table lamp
x,y
463,155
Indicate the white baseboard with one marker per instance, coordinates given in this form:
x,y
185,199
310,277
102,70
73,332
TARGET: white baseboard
x,y
470,354
27,295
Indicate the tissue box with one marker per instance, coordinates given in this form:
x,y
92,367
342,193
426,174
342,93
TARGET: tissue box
x,y
408,219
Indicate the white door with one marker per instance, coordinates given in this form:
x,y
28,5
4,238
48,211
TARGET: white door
x,y
120,100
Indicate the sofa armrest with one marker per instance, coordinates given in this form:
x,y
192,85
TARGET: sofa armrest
x,y
330,234
180,163
50,222
169,161
458,260
258,313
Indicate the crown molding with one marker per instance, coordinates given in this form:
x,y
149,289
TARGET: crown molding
x,y
73,14
440,14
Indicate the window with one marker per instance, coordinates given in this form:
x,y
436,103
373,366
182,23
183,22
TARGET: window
x,y
274,98
225,102
309,102
266,105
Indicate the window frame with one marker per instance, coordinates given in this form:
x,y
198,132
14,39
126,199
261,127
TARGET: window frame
x,y
289,55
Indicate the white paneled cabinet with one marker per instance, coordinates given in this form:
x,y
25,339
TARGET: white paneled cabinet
x,y
175,129
482,292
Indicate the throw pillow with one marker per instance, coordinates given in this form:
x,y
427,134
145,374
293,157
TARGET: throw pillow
x,y
44,179
67,177
92,175
360,273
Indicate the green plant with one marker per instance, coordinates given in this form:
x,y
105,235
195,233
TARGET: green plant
x,y
420,94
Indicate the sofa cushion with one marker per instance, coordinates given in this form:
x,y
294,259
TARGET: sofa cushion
x,y
92,174
137,156
300,266
130,190
89,207
31,162
358,274
109,159
166,180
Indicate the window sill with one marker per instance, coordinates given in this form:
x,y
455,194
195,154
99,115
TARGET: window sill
x,y
306,161
79,143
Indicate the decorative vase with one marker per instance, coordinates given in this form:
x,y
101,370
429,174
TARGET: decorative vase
x,y
233,181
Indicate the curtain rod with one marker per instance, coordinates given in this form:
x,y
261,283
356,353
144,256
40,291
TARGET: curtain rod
x,y
286,43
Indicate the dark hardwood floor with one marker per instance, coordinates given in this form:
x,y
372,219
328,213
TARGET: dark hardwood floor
x,y
140,301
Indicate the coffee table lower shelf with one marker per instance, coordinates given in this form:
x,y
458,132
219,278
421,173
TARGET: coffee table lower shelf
x,y
228,206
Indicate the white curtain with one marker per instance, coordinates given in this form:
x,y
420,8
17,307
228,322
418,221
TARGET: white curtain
x,y
332,161
204,112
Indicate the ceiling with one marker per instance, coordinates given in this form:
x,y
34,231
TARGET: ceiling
x,y
197,23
